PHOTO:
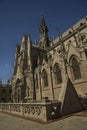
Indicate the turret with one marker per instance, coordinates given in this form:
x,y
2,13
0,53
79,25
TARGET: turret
x,y
44,40
43,27
24,38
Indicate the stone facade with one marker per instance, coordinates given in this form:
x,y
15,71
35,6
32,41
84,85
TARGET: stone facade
x,y
40,67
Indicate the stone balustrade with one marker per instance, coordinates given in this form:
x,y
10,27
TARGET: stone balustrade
x,y
36,110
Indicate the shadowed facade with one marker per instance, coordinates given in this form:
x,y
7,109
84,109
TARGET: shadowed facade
x,y
40,68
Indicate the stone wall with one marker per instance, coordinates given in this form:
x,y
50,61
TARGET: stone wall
x,y
39,111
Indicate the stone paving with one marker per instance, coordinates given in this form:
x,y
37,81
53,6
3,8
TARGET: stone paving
x,y
8,122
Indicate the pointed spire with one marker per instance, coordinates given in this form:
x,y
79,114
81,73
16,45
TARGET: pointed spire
x,y
24,38
29,38
44,39
43,27
43,21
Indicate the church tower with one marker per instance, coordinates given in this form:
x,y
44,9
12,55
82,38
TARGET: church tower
x,y
44,40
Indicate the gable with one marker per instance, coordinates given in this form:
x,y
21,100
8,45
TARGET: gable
x,y
72,50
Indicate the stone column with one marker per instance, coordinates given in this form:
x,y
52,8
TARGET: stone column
x,y
51,83
39,83
51,76
69,72
30,86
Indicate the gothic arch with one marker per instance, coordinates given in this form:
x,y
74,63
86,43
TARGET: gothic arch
x,y
45,78
17,81
57,74
75,68
72,50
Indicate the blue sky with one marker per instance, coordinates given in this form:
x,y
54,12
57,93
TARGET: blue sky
x,y
18,17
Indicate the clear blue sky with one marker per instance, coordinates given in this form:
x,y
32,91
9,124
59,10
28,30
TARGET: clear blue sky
x,y
18,17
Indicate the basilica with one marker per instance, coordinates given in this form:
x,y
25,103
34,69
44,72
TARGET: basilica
x,y
45,69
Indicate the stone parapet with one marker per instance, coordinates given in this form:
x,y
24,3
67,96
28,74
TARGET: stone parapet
x,y
40,110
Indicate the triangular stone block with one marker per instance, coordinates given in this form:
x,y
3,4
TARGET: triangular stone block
x,y
70,102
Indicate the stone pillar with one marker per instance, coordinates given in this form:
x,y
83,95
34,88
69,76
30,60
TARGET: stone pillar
x,y
64,67
51,77
13,92
29,87
51,83
39,83
32,86
69,72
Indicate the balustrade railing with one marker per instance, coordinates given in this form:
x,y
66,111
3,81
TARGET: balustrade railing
x,y
37,110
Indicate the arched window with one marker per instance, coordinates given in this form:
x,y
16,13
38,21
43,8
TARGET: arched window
x,y
75,69
57,74
45,78
17,81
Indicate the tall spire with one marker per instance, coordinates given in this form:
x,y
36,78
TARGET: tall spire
x,y
43,27
24,38
29,38
44,34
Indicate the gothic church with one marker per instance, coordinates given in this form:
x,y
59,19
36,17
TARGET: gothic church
x,y
41,69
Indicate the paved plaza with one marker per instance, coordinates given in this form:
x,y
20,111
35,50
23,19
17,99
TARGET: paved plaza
x,y
8,122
